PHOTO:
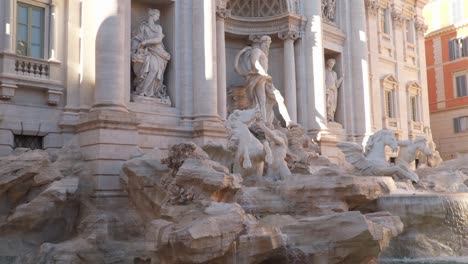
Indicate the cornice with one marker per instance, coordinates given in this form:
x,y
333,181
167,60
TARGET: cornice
x,y
446,29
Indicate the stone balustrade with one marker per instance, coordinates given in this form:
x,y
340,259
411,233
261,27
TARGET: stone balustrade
x,y
33,68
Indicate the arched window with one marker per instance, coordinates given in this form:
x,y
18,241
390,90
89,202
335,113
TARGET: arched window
x,y
261,8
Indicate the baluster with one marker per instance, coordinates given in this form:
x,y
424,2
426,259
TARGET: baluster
x,y
29,67
46,70
23,66
34,68
17,65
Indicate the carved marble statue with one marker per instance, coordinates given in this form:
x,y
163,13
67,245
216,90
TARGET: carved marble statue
x,y
434,159
252,63
328,10
332,83
149,58
298,157
373,161
278,142
409,149
244,151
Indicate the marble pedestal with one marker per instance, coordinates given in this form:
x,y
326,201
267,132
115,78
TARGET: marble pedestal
x,y
107,139
151,100
328,139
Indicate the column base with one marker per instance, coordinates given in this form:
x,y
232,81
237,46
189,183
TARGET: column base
x,y
209,129
109,107
328,139
107,139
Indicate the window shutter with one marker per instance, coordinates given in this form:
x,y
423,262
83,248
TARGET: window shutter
x,y
451,50
456,125
464,91
465,47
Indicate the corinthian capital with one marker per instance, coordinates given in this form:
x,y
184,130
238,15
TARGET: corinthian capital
x,y
373,7
221,9
289,34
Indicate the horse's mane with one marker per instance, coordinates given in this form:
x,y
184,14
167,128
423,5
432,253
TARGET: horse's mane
x,y
376,137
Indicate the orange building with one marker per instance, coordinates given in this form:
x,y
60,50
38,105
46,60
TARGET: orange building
x,y
447,74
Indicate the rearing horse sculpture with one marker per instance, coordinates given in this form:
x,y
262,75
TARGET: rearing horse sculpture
x,y
373,161
244,150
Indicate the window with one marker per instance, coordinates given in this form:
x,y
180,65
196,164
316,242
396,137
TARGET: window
x,y
385,21
410,31
389,105
461,86
30,142
460,124
30,31
458,48
413,108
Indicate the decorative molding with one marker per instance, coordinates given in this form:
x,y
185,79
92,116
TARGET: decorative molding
x,y
265,26
289,34
262,8
372,7
328,11
421,28
221,9
397,18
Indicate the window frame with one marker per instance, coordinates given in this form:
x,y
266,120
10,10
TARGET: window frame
x,y
457,124
45,5
455,87
390,86
414,91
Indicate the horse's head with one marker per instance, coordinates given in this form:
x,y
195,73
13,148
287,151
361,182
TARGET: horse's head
x,y
383,136
421,144
243,116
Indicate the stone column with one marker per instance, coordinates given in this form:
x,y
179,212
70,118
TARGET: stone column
x,y
53,32
359,71
204,72
7,27
420,30
221,13
110,88
290,72
314,62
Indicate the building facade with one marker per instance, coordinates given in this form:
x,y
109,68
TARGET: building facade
x,y
66,70
447,71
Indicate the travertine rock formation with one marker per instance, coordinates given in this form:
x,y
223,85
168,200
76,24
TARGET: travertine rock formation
x,y
183,207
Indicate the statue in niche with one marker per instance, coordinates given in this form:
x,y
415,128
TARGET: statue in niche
x,y
252,63
332,83
149,58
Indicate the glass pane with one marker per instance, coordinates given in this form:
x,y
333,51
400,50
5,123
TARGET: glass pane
x,y
22,14
22,33
36,35
36,51
36,14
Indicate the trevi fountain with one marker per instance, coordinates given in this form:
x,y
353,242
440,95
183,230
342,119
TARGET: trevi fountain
x,y
264,196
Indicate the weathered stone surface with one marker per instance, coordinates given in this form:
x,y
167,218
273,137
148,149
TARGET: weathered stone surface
x,y
450,176
207,179
33,166
348,237
325,192
56,203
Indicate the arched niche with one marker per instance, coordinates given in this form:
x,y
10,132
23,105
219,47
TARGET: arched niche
x,y
249,19
139,13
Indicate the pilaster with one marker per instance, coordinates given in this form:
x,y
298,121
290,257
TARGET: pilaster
x,y
314,65
290,71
